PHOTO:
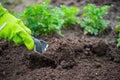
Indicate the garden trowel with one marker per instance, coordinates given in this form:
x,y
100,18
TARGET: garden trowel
x,y
40,45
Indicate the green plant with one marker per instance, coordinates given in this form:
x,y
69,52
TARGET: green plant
x,y
93,21
118,17
117,29
70,15
45,19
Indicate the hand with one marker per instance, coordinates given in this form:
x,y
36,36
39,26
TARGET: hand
x,y
13,29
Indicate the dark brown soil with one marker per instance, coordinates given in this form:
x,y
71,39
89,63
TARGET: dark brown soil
x,y
74,57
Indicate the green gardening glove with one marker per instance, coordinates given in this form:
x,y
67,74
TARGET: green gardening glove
x,y
13,29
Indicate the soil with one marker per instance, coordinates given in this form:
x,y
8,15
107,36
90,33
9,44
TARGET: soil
x,y
74,57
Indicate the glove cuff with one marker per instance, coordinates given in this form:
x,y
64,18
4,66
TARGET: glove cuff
x,y
2,10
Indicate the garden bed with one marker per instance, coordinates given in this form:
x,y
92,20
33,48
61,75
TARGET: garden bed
x,y
74,57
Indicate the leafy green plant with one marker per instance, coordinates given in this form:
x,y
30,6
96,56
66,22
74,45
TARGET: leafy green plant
x,y
45,19
118,17
42,19
70,15
117,29
93,21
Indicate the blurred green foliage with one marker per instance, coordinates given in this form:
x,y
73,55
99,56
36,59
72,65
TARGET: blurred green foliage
x,y
117,29
44,19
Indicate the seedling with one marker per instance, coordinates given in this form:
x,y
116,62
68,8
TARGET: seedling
x,y
117,29
70,15
93,22
44,19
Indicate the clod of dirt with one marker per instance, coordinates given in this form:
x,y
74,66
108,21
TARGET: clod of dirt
x,y
100,47
62,53
67,65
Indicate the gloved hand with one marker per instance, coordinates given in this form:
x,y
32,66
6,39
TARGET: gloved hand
x,y
13,29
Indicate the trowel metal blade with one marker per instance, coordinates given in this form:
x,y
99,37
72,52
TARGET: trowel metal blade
x,y
40,45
